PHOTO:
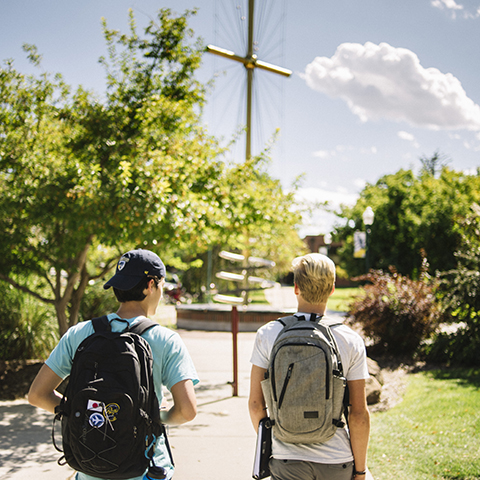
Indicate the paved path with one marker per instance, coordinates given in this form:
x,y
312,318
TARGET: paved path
x,y
218,444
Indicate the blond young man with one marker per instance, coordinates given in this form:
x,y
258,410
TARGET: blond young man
x,y
344,456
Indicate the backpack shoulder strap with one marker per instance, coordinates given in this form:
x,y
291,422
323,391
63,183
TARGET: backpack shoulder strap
x,y
142,326
331,322
101,324
290,320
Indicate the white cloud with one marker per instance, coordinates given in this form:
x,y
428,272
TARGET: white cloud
x,y
334,197
339,150
360,183
321,154
370,150
381,81
449,4
408,137
321,220
453,7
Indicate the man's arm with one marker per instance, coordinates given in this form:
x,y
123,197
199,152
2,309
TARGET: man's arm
x,y
359,424
256,401
42,392
184,408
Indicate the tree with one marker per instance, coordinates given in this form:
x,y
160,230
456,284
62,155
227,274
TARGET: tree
x,y
413,214
85,177
258,220
459,294
79,173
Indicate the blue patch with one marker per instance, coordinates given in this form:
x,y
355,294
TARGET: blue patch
x,y
96,420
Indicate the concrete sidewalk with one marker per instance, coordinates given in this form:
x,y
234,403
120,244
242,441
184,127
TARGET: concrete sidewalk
x,y
218,444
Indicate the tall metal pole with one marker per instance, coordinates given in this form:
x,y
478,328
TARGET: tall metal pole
x,y
250,67
250,62
235,321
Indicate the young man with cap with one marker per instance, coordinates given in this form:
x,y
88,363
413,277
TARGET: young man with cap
x,y
343,456
137,284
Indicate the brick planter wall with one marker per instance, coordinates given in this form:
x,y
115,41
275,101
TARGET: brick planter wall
x,y
218,317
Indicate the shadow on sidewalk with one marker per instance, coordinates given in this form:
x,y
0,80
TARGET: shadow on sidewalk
x,y
25,437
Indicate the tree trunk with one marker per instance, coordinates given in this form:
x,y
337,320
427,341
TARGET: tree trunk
x,y
78,295
61,317
63,300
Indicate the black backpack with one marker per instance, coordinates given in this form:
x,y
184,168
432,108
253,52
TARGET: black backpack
x,y
109,412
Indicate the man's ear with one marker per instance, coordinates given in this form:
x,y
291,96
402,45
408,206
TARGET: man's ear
x,y
150,285
296,290
333,290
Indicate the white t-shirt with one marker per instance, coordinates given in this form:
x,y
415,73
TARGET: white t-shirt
x,y
354,360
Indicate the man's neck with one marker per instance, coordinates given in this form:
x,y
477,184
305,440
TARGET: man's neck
x,y
306,307
131,310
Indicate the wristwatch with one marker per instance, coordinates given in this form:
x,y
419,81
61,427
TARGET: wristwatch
x,y
355,473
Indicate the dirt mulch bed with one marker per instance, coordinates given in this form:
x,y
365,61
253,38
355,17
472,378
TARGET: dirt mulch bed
x,y
16,377
393,389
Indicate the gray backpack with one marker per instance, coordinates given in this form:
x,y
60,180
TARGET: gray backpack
x,y
304,386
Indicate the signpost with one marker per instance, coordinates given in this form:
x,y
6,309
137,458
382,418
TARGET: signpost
x,y
253,263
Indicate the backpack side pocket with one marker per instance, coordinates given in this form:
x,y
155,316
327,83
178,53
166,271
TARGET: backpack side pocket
x,y
339,385
268,395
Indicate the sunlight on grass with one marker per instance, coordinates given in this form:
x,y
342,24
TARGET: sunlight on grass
x,y
341,299
433,433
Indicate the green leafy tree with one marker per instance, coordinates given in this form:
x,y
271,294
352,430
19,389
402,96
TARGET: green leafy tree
x,y
83,177
258,219
413,214
459,293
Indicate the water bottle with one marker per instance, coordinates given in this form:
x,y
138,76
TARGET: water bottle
x,y
155,473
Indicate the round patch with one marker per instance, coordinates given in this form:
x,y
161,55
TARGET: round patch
x,y
96,420
112,410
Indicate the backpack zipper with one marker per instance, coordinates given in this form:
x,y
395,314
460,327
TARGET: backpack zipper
x,y
285,383
272,376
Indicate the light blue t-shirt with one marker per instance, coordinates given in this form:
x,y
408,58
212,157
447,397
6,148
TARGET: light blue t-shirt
x,y
171,364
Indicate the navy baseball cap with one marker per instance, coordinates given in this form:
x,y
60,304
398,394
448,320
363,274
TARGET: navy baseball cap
x,y
133,266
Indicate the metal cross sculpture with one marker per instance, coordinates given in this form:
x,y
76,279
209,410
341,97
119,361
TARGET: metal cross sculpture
x,y
250,61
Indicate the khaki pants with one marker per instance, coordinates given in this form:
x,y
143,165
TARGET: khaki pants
x,y
298,470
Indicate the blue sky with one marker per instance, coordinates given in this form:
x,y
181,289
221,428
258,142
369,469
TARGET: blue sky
x,y
377,84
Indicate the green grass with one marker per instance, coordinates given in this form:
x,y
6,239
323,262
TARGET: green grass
x,y
339,301
433,433
341,298
257,296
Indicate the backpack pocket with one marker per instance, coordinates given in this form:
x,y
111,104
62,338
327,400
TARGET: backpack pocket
x,y
97,429
339,386
302,389
267,395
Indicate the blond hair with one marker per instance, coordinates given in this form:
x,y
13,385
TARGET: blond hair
x,y
314,274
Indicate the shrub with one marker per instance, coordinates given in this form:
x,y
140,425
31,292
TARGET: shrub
x,y
97,302
397,313
459,293
457,349
28,328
